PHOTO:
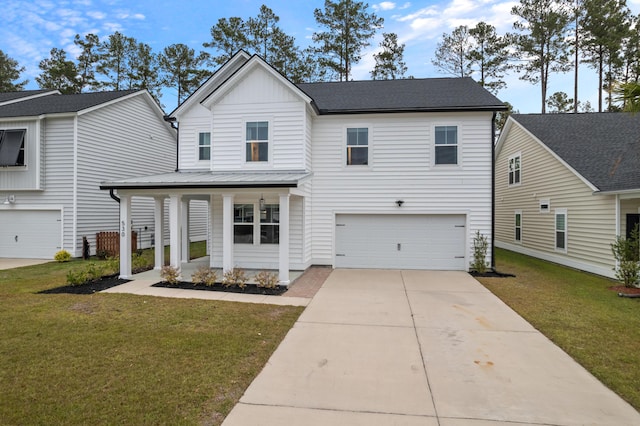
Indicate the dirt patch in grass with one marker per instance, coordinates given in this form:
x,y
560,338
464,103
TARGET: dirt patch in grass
x,y
248,289
622,290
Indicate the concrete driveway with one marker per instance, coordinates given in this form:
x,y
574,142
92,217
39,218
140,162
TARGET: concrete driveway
x,y
6,263
421,348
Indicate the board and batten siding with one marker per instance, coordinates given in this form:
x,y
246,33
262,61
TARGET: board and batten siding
x,y
401,168
29,177
591,222
121,140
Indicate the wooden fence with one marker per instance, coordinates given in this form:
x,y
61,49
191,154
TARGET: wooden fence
x,y
108,243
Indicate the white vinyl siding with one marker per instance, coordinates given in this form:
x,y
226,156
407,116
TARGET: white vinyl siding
x,y
400,169
593,223
121,140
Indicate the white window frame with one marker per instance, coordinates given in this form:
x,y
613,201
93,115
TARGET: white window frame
x,y
545,202
559,212
272,223
247,141
345,149
23,147
512,160
199,146
516,227
458,144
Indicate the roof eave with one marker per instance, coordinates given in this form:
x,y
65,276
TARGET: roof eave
x,y
490,108
202,185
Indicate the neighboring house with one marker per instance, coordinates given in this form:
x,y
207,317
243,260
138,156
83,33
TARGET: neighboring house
x,y
567,185
362,174
55,150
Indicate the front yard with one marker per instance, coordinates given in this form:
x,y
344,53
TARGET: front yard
x,y
579,313
125,359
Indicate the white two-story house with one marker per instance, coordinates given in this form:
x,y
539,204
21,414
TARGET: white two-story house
x,y
56,149
360,174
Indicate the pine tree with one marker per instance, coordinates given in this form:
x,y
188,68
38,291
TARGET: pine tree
x,y
452,54
228,36
542,42
348,29
59,73
489,56
87,60
114,60
390,61
10,71
183,68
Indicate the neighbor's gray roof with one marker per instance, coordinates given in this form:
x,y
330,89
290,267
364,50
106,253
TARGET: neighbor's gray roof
x,y
410,95
603,147
58,104
12,96
206,179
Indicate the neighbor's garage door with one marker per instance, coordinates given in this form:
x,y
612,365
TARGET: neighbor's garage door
x,y
34,234
400,241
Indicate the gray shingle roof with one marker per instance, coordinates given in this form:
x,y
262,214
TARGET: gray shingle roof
x,y
603,147
11,96
58,104
429,94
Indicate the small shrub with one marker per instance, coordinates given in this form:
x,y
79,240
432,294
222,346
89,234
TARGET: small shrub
x,y
205,276
235,276
102,254
77,277
93,271
111,266
170,274
480,247
62,256
140,262
626,252
265,279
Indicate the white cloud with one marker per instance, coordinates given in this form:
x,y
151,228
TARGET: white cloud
x,y
138,16
385,5
96,14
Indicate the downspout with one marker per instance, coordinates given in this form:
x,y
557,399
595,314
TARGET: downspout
x,y
493,191
114,196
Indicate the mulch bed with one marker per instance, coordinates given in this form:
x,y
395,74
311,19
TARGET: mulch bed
x,y
491,274
249,289
622,290
88,288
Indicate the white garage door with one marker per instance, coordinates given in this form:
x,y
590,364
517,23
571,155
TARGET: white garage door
x,y
34,234
400,241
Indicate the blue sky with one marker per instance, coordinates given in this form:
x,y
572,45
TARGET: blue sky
x,y
31,28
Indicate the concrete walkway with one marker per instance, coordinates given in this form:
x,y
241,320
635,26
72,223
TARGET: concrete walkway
x,y
7,263
421,348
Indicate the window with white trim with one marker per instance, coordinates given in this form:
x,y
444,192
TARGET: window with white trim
x,y
357,146
243,219
270,224
257,141
204,146
12,147
561,229
446,145
514,169
518,226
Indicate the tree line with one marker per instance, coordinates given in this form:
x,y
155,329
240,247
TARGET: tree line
x,y
551,36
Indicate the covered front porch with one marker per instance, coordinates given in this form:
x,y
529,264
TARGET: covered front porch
x,y
250,219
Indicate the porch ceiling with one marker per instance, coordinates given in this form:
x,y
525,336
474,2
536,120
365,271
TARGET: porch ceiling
x,y
208,179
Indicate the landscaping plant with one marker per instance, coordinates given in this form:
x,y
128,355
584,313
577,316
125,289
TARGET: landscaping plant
x,y
626,252
235,276
266,279
480,247
204,276
170,274
62,256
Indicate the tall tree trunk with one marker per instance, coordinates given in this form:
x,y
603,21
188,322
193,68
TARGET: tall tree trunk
x,y
575,74
600,83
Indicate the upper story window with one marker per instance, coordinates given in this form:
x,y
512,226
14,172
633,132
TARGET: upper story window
x,y
446,144
357,146
204,146
257,138
514,170
12,147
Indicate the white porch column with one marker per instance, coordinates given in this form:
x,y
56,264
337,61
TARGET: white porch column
x,y
125,236
210,205
185,230
158,216
227,232
284,239
174,230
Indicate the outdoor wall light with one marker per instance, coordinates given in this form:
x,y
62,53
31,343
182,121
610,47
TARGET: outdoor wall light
x,y
400,203
263,208
9,199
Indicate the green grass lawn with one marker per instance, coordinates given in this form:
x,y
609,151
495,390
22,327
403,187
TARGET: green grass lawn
x,y
578,312
125,359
